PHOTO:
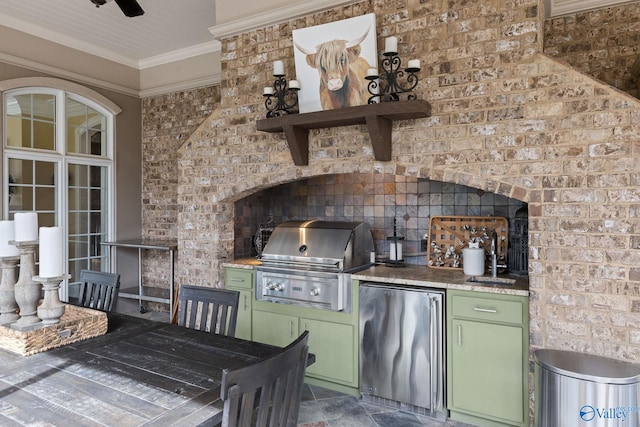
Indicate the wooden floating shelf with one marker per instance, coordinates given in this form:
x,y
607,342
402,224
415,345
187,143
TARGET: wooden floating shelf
x,y
377,117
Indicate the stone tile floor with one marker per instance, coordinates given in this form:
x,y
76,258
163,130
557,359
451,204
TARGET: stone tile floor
x,y
321,407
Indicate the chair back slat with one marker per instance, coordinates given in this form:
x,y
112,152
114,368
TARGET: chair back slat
x,y
98,290
208,309
278,380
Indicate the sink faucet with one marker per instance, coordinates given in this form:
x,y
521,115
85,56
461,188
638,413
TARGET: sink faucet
x,y
494,255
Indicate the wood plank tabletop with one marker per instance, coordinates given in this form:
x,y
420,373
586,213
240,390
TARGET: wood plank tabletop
x,y
140,373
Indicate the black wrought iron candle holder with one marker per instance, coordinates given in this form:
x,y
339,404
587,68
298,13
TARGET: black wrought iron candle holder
x,y
389,85
282,98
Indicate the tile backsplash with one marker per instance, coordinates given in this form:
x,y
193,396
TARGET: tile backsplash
x,y
372,198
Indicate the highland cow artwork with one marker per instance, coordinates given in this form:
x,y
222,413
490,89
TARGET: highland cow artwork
x,y
332,61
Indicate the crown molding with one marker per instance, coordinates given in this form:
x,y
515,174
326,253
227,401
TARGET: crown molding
x,y
179,55
58,72
567,7
272,17
81,78
176,87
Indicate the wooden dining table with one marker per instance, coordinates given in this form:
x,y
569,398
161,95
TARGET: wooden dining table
x,y
139,373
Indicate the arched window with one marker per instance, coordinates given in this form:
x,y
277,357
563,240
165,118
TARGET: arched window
x,y
58,161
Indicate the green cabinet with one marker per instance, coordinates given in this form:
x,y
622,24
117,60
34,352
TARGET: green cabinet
x,y
275,328
333,339
331,343
241,280
487,358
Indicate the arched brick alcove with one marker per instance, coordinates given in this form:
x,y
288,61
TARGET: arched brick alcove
x,y
571,153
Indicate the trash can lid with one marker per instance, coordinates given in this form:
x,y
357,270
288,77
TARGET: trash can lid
x,y
588,366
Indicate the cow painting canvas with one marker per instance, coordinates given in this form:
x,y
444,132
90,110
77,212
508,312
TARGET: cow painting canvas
x,y
332,61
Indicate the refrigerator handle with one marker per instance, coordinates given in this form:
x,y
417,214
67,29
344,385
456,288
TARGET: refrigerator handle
x,y
436,367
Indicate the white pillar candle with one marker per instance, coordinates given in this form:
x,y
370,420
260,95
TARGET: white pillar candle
x,y
294,84
414,63
267,91
26,226
278,68
372,72
398,251
392,251
50,252
391,45
7,234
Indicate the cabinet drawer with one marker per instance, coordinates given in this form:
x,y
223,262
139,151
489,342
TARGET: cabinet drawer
x,y
487,309
238,278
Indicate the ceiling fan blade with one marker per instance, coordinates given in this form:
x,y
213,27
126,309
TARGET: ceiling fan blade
x,y
130,8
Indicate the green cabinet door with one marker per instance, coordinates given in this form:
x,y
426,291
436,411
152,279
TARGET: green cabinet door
x,y
486,372
273,328
333,346
241,280
243,323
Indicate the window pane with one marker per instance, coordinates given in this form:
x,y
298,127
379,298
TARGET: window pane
x,y
85,129
33,187
87,214
31,121
45,173
45,199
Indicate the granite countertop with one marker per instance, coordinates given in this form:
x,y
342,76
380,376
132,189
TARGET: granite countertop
x,y
421,276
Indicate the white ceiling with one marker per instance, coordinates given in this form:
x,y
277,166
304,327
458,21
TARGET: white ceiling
x,y
168,31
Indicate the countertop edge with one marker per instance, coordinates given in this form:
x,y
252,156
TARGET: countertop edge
x,y
417,276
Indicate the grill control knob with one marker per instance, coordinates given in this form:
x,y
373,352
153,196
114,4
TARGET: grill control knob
x,y
314,292
280,287
271,286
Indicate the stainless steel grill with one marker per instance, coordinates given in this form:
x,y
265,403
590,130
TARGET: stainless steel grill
x,y
309,263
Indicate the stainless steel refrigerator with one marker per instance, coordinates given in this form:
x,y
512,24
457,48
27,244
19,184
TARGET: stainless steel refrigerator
x,y
402,348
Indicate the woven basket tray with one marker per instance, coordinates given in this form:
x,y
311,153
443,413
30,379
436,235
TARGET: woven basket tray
x,y
76,324
448,235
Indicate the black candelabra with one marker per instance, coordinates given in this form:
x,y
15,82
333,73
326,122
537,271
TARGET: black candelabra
x,y
389,84
282,98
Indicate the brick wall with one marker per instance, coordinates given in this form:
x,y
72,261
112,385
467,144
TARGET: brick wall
x,y
602,43
167,121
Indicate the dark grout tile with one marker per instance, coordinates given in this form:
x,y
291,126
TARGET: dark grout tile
x,y
322,407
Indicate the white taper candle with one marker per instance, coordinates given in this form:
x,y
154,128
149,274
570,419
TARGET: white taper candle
x,y
50,252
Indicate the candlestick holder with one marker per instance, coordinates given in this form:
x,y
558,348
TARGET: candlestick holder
x,y
27,290
281,99
51,308
388,86
8,305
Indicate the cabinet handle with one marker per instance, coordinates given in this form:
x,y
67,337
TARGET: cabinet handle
x,y
290,328
245,302
485,310
236,279
459,335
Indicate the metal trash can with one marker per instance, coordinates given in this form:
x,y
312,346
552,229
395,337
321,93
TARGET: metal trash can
x,y
575,389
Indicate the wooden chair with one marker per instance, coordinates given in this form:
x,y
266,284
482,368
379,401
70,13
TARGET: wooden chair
x,y
208,309
98,290
274,384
